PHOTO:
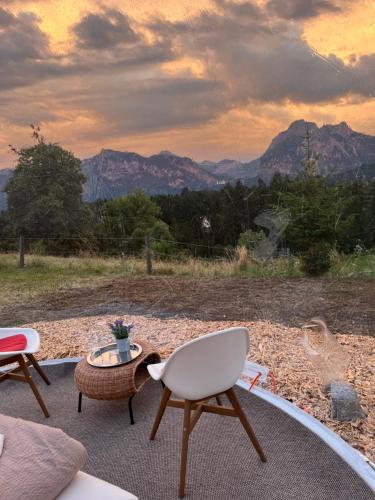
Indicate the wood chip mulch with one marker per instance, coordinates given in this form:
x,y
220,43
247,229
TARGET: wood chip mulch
x,y
273,345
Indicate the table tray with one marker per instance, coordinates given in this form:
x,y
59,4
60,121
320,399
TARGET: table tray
x,y
109,356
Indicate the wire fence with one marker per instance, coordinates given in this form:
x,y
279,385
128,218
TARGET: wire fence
x,y
147,248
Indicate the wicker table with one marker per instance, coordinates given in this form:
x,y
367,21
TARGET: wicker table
x,y
118,382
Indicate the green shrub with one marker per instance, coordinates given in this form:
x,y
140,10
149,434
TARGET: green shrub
x,y
316,261
250,238
164,249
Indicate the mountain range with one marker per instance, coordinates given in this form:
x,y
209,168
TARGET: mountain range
x,y
5,174
113,173
340,153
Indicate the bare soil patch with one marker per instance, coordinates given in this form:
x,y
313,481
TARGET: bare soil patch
x,y
347,305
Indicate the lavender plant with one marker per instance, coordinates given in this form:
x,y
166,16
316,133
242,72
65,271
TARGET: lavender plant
x,y
119,330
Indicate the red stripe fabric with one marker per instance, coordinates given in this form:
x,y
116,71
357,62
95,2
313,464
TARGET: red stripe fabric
x,y
13,343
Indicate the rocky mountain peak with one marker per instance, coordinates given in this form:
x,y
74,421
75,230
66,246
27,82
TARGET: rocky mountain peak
x,y
167,153
115,173
337,147
342,129
299,127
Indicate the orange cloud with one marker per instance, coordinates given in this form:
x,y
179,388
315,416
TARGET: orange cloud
x,y
175,87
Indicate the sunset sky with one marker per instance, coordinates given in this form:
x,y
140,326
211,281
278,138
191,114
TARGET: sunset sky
x,y
209,79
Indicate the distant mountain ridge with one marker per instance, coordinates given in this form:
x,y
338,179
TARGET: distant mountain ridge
x,y
338,149
5,174
113,173
231,169
341,153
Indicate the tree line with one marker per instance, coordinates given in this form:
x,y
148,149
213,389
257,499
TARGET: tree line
x,y
45,206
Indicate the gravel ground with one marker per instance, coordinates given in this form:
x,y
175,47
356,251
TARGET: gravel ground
x,y
272,344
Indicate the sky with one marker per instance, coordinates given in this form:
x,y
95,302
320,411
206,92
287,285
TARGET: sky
x,y
209,79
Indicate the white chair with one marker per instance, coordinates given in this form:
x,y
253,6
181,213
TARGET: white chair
x,y
10,357
84,486
200,370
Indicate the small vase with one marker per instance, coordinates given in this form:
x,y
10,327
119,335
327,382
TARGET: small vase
x,y
123,345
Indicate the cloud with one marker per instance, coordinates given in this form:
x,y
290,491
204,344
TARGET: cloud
x,y
26,57
123,106
265,59
247,9
21,39
113,83
301,9
6,3
104,31
6,18
146,105
24,51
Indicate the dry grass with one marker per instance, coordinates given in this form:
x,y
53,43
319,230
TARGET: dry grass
x,y
46,274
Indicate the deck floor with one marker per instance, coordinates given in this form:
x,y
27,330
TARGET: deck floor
x,y
222,463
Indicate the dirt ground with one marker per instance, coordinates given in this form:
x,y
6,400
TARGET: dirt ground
x,y
347,305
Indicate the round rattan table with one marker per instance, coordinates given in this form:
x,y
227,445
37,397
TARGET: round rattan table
x,y
117,382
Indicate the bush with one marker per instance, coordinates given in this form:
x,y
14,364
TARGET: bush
x,y
316,261
164,249
250,238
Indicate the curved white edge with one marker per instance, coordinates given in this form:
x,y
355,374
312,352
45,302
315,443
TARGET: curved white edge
x,y
51,362
358,462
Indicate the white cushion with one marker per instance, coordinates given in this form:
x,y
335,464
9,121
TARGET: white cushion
x,y
156,370
86,487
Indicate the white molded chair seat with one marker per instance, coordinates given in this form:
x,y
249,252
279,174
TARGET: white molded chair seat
x,y
17,357
32,337
86,487
204,366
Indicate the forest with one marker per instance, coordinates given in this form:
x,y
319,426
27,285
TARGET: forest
x,y
309,216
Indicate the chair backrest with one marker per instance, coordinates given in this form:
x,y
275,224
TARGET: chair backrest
x,y
32,336
207,365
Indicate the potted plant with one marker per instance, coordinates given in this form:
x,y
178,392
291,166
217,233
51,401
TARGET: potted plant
x,y
121,333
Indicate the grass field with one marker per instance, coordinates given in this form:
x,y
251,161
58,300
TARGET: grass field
x,y
45,274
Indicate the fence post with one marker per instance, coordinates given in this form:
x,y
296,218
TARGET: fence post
x,y
22,252
148,241
290,260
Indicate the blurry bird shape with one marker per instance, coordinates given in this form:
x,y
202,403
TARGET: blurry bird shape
x,y
329,359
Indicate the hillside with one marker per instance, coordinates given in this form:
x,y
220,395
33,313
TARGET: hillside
x,y
4,176
364,173
230,169
113,173
338,149
341,153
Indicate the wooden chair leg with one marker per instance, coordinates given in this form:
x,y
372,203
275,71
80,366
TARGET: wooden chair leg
x,y
218,400
37,367
241,415
163,403
31,382
185,445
